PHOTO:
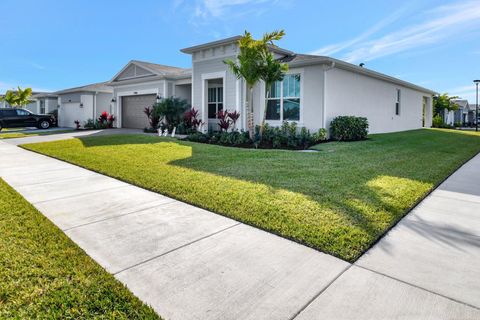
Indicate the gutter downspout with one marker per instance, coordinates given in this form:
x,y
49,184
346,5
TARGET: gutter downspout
x,y
94,105
325,69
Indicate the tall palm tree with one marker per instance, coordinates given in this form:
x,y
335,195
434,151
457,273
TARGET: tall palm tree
x,y
254,63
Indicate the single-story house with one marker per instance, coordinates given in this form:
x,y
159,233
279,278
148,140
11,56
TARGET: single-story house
x,y
83,103
315,90
45,102
141,84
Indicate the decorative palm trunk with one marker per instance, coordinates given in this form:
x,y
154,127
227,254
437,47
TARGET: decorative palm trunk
x,y
249,109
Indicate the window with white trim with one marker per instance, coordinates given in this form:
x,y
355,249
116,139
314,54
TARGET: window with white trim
x,y
283,104
42,106
215,101
397,103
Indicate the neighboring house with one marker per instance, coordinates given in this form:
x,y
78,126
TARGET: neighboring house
x,y
460,115
315,90
141,84
45,102
83,103
32,106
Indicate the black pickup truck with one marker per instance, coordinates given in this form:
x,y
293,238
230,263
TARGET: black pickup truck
x,y
14,118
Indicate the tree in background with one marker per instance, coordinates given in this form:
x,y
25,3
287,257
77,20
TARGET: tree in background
x,y
443,103
18,98
254,63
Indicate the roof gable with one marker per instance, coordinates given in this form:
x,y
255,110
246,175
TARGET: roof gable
x,y
133,70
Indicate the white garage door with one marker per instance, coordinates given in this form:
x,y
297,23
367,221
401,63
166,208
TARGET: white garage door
x,y
69,112
132,110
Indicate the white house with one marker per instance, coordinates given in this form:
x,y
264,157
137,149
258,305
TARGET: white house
x,y
315,90
140,84
44,103
83,103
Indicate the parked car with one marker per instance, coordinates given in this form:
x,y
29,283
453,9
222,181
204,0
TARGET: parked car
x,y
14,118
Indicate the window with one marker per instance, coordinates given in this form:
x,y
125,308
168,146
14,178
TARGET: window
x,y
21,112
215,101
42,106
284,101
397,103
8,113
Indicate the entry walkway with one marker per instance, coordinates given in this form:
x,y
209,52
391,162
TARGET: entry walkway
x,y
188,263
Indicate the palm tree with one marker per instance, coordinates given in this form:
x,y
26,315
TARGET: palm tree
x,y
19,98
255,62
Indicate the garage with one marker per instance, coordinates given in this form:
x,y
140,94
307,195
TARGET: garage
x,y
132,110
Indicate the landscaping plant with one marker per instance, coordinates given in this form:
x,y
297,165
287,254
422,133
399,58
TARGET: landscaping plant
x,y
255,63
153,118
171,111
18,98
349,128
77,124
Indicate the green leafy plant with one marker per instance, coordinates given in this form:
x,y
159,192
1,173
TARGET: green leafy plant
x,y
255,63
171,111
349,128
18,98
444,103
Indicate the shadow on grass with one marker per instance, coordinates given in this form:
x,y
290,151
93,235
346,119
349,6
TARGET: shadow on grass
x,y
339,201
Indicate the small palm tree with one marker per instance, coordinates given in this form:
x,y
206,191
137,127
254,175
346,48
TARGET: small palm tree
x,y
255,62
19,98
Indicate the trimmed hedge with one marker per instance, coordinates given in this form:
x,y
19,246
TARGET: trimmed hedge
x,y
349,128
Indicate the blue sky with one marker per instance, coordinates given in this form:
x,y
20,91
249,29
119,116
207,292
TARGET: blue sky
x,y
51,45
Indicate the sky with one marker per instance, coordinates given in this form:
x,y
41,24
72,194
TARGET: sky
x,y
53,45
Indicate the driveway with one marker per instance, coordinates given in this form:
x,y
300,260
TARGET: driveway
x,y
189,263
70,135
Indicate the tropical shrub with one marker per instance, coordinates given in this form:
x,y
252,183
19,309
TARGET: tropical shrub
x,y
105,120
224,121
153,118
171,111
191,119
234,138
437,122
349,128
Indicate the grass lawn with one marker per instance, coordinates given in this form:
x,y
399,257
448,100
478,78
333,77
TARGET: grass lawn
x,y
339,200
44,275
12,135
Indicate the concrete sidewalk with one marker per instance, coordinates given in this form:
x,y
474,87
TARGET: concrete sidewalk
x,y
188,263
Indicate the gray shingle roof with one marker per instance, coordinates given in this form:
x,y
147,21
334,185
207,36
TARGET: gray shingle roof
x,y
94,87
161,69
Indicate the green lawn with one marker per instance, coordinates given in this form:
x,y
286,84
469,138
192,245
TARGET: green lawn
x,y
44,275
12,135
339,200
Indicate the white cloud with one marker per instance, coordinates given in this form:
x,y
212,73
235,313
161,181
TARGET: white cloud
x,y
440,24
217,8
334,48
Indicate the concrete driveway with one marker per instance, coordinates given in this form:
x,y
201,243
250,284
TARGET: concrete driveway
x,y
189,263
72,134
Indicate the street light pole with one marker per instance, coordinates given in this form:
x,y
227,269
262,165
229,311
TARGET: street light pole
x,y
476,104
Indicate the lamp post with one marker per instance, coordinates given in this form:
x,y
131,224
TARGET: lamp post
x,y
476,104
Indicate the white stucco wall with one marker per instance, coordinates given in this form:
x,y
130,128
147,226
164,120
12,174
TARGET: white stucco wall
x,y
350,93
80,109
311,98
